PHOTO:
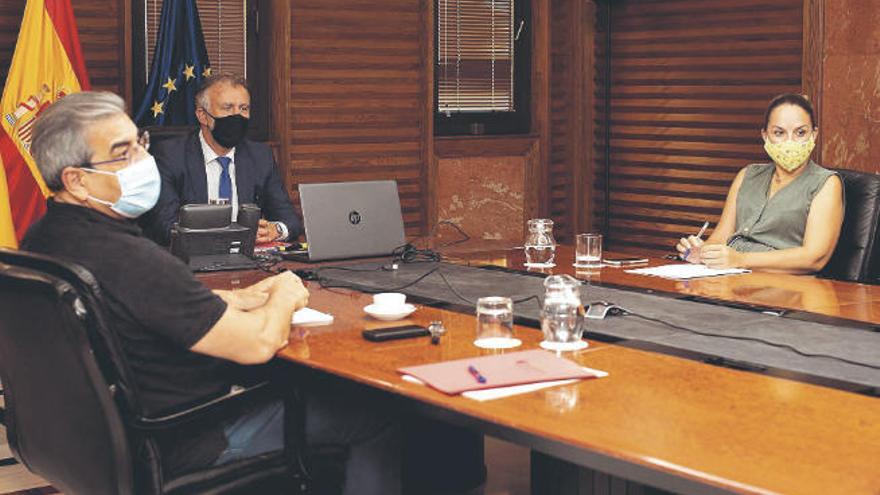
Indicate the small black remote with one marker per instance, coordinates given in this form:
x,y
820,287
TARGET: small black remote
x,y
393,333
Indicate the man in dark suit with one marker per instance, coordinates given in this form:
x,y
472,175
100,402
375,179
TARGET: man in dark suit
x,y
218,163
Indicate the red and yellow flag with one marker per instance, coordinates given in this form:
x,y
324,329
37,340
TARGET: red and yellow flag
x,y
47,65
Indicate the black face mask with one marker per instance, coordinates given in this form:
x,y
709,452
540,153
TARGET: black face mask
x,y
230,130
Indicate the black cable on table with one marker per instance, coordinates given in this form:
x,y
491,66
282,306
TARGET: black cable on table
x,y
750,339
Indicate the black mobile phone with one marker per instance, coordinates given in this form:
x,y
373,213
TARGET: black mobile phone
x,y
393,333
624,261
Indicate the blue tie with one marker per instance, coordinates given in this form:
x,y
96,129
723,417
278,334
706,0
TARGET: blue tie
x,y
225,191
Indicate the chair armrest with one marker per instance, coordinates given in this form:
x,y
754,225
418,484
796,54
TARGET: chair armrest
x,y
219,406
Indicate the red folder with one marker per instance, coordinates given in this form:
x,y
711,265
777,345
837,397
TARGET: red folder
x,y
502,370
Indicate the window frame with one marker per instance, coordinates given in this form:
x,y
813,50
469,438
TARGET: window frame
x,y
492,123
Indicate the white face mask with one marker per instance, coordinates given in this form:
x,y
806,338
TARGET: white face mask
x,y
140,184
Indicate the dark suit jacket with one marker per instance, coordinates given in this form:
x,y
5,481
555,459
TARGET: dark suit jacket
x,y
184,181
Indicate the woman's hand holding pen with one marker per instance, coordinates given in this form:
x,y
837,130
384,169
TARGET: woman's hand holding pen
x,y
690,249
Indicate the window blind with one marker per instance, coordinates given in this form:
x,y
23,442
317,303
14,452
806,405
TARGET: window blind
x,y
689,83
475,55
224,25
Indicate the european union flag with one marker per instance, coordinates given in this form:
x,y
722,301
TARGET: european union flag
x,y
180,62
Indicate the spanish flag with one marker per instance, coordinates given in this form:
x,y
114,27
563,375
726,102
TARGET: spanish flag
x,y
47,65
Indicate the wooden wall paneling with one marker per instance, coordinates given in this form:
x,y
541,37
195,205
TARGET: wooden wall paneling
x,y
689,84
541,109
430,177
583,153
357,99
488,145
10,21
126,57
571,127
104,31
564,144
274,36
600,78
535,171
105,44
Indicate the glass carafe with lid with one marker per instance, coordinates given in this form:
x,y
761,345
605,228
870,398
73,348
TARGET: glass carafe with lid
x,y
561,320
540,246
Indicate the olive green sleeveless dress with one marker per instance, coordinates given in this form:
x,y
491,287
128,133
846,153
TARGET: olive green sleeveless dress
x,y
780,222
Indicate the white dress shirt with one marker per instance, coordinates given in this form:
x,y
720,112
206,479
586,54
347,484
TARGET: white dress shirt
x,y
213,171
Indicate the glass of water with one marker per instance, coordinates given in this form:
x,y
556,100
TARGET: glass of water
x,y
540,245
495,323
588,251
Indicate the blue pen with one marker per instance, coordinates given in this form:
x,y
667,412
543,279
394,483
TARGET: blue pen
x,y
476,374
687,252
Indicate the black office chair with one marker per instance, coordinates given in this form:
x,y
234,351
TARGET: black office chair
x,y
72,410
855,257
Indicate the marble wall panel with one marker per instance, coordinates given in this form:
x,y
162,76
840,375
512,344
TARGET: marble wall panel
x,y
850,125
485,196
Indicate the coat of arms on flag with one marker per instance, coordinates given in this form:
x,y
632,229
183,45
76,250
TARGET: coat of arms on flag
x,y
47,64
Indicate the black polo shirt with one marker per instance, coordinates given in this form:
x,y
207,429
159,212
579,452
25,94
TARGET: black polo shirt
x,y
155,305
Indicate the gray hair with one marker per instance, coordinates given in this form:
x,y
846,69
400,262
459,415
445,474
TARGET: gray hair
x,y
60,139
229,78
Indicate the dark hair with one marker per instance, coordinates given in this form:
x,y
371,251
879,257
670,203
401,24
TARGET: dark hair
x,y
791,99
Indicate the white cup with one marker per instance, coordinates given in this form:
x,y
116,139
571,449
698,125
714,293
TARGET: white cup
x,y
389,299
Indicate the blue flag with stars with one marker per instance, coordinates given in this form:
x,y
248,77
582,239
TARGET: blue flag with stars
x,y
180,62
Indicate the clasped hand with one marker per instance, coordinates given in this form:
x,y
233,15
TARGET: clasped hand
x,y
255,296
266,231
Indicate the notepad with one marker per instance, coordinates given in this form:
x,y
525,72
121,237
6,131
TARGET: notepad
x,y
502,392
686,271
308,317
502,370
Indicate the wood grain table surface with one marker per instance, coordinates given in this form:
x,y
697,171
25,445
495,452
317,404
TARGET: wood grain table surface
x,y
658,419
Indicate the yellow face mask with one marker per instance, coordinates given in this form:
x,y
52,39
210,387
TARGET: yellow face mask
x,y
790,154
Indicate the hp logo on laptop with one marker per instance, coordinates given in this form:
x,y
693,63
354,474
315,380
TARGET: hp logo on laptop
x,y
354,217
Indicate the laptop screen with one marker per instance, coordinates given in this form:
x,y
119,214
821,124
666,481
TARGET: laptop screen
x,y
351,219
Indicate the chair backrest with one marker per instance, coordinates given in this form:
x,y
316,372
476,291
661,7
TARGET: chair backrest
x,y
109,354
854,258
62,418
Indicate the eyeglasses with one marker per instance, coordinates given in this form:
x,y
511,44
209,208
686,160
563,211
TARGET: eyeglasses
x,y
143,142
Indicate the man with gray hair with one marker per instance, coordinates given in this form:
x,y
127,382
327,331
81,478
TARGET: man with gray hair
x,y
182,341
217,162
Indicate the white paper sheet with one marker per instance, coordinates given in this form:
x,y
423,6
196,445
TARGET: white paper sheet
x,y
685,271
307,317
501,392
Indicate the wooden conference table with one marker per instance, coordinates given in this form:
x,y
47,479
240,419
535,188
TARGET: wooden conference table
x,y
660,420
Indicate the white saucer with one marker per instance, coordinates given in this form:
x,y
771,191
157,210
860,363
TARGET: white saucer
x,y
498,343
565,346
389,313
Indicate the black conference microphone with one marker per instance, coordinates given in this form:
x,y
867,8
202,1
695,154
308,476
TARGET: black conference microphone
x,y
249,216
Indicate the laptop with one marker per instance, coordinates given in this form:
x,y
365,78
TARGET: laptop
x,y
351,219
